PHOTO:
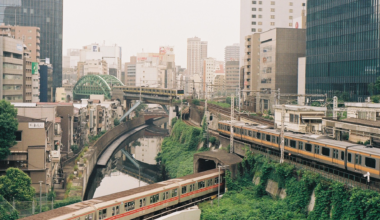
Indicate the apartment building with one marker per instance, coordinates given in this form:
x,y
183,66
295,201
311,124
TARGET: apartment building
x,y
130,72
196,52
232,53
232,77
95,67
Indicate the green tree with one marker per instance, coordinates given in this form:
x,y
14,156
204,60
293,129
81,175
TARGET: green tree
x,y
15,184
8,215
371,89
377,83
8,127
116,122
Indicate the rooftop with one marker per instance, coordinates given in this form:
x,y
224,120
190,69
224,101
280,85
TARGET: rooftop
x,y
362,104
27,119
302,108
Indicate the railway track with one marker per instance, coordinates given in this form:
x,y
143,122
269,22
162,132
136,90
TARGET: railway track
x,y
224,111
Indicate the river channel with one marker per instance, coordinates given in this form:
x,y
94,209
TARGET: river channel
x,y
120,173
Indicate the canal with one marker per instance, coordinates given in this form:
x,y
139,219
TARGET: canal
x,y
120,173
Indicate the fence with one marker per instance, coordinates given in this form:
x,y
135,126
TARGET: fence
x,y
28,208
349,179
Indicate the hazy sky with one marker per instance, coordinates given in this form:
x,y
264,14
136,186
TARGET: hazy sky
x,y
147,24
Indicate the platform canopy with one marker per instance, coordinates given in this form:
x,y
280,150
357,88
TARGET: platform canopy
x,y
95,85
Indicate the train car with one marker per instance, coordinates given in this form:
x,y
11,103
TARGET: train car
x,y
322,149
142,201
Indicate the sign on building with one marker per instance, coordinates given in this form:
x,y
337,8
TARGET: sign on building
x,y
36,125
34,68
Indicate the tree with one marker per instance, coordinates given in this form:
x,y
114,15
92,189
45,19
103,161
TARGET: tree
x,y
15,184
371,89
8,127
377,83
116,122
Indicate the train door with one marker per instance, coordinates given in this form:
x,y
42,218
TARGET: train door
x,y
358,162
335,156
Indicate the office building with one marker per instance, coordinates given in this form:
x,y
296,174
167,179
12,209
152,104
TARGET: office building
x,y
95,67
196,52
342,55
130,71
232,53
280,49
27,76
260,16
46,15
46,82
11,69
232,77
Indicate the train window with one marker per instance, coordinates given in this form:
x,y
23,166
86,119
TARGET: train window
x,y
273,139
201,184
263,136
326,151
258,135
228,128
154,198
192,187
250,133
358,159
216,180
103,214
234,129
142,202
300,145
184,190
209,182
278,140
89,217
316,149
335,153
129,206
342,155
165,195
268,138
254,134
286,142
174,193
308,147
370,162
349,157
293,144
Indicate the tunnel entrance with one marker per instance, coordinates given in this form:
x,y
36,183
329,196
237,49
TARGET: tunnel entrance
x,y
204,165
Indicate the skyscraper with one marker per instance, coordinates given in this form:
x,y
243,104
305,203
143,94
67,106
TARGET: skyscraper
x,y
196,52
48,16
342,56
231,53
260,16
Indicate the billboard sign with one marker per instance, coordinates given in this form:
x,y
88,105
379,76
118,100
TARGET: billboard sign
x,y
166,50
34,68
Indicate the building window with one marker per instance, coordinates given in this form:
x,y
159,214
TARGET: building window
x,y
31,11
272,23
290,10
272,10
260,23
48,20
260,30
290,24
254,2
253,22
290,3
272,17
272,3
260,16
253,29
18,135
253,9
291,17
260,9
260,2
253,16
25,10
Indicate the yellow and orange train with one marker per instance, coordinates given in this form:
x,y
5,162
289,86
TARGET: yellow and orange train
x,y
322,149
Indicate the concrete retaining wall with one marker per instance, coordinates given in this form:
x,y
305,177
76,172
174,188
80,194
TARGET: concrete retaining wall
x,y
239,147
196,115
103,142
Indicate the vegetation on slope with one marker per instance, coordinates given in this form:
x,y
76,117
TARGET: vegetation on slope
x,y
177,151
244,200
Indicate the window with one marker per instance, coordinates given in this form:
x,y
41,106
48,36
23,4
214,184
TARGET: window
x,y
290,10
293,144
263,136
326,151
174,193
165,195
201,184
253,16
253,9
370,162
260,30
342,155
272,3
253,22
103,214
47,20
89,217
192,187
290,24
358,159
286,142
18,135
142,202
316,149
254,2
349,157
258,135
260,16
300,145
260,9
290,3
25,10
260,2
260,23
290,17
216,180
272,10
308,147
154,198
250,133
253,29
129,206
273,139
272,17
115,210
335,154
184,190
272,23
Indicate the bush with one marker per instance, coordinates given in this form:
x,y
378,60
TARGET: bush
x,y
75,148
212,140
375,99
51,194
196,102
76,168
116,122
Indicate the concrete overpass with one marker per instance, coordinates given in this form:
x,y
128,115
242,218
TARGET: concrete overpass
x,y
147,95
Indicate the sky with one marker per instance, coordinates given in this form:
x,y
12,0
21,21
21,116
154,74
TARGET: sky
x,y
145,25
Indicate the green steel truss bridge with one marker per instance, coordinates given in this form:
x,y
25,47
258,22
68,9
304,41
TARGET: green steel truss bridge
x,y
95,85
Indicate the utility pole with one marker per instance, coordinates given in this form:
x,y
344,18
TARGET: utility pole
x,y
335,107
206,116
282,133
232,127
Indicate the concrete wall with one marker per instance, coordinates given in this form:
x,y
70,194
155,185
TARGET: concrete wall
x,y
102,143
196,115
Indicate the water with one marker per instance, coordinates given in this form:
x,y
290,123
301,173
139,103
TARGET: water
x,y
121,174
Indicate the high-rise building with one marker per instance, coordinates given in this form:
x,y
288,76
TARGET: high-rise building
x,y
11,69
130,72
260,16
48,16
232,76
231,53
46,82
196,52
342,55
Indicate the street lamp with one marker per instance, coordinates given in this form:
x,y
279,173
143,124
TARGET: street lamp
x,y
219,182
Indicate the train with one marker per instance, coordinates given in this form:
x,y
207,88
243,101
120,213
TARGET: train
x,y
143,201
152,91
348,156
